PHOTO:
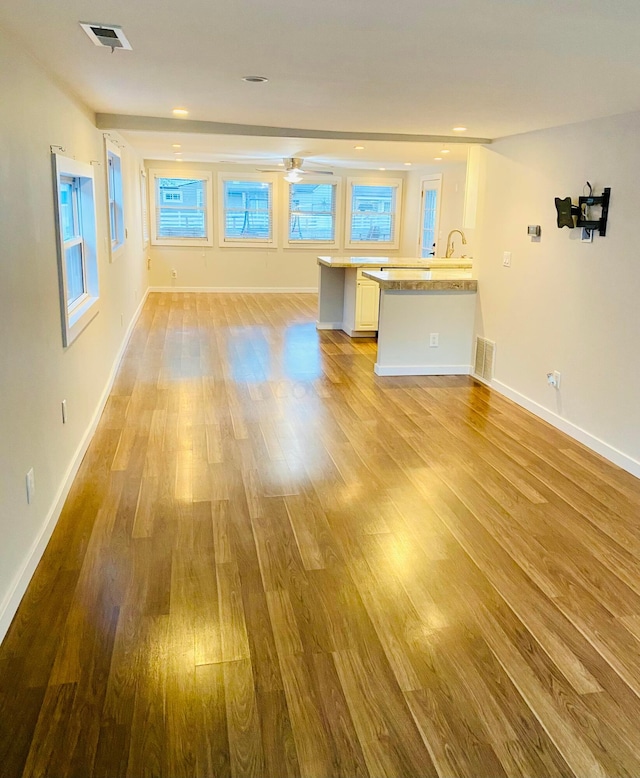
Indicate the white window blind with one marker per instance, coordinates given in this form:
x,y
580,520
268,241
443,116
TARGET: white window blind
x,y
373,214
312,212
181,208
248,211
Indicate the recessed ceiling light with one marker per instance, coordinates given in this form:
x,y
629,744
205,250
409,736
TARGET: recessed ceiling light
x,y
382,168
280,164
177,146
178,153
358,148
438,159
407,163
255,79
459,129
179,159
180,112
444,151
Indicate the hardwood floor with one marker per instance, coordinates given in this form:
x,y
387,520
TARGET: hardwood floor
x,y
274,563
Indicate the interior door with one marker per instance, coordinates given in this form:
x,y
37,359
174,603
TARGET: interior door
x,y
430,216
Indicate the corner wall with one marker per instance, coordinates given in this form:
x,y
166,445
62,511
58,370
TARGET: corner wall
x,y
36,372
565,305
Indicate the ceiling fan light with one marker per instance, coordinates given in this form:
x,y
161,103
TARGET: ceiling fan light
x,y
293,177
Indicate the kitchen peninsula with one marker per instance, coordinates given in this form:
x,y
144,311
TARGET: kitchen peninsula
x,y
349,301
426,321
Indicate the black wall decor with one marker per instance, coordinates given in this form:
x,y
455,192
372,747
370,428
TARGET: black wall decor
x,y
567,211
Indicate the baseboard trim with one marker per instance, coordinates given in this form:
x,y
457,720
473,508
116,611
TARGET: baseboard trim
x,y
11,602
397,370
328,325
572,430
239,289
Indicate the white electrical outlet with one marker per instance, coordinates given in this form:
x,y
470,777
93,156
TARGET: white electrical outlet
x,y
64,411
506,258
174,273
434,340
31,486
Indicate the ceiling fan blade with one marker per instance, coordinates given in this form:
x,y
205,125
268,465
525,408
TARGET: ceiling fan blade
x,y
270,170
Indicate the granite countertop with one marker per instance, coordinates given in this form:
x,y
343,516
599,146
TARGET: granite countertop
x,y
454,279
417,262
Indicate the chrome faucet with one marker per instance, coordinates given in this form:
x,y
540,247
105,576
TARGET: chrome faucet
x,y
450,246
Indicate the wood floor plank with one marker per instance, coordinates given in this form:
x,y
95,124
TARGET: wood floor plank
x,y
273,562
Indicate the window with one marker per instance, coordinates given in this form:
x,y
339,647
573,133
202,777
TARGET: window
x,y
116,205
144,207
312,212
373,218
172,195
430,216
76,231
247,212
181,208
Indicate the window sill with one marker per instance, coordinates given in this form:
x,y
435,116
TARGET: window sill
x,y
79,318
195,243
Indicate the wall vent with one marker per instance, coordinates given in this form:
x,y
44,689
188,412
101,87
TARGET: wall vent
x,y
485,355
109,36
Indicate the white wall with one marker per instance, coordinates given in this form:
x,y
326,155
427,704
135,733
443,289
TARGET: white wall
x,y
36,372
295,268
565,305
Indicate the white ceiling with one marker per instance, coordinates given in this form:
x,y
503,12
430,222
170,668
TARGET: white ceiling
x,y
497,67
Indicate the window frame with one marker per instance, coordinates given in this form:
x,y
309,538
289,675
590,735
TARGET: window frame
x,y
337,212
77,315
271,242
115,198
206,176
144,208
437,179
397,216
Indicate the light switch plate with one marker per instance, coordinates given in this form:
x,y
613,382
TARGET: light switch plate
x,y
506,259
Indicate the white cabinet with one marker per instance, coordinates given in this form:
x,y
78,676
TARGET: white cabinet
x,y
367,301
360,307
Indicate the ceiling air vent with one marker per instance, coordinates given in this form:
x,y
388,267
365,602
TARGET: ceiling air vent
x,y
485,355
110,36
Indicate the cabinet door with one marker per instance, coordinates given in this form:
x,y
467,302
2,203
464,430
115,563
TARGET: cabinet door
x,y
367,300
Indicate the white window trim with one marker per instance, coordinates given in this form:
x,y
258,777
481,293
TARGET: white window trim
x,y
249,242
337,227
198,175
86,308
363,244
117,246
144,208
435,178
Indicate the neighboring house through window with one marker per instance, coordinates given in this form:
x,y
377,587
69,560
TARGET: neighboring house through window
x,y
373,216
181,212
247,211
312,211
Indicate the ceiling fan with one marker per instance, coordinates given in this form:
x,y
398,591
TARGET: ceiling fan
x,y
293,168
